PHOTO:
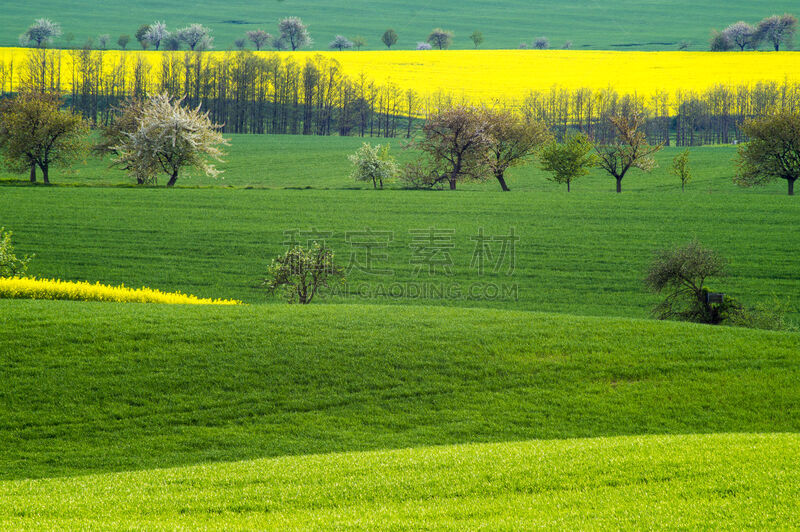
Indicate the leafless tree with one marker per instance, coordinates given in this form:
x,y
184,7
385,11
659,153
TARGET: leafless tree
x,y
259,38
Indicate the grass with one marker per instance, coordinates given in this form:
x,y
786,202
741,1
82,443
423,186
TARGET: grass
x,y
619,24
721,482
104,387
584,252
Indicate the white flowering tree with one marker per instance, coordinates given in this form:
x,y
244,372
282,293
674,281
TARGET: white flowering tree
x,y
373,163
170,137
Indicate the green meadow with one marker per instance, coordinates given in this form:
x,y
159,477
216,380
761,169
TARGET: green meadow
x,y
610,25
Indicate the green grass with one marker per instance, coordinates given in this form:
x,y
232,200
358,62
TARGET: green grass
x,y
583,252
619,24
92,387
721,482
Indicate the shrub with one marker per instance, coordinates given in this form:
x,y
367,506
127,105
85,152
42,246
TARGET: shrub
x,y
10,264
301,273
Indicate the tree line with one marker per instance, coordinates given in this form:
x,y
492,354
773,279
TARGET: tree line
x,y
256,93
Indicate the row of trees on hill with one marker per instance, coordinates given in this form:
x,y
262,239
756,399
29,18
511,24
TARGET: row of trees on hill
x,y
774,32
250,93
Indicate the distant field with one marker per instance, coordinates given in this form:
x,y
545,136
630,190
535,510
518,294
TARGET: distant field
x,y
617,24
510,75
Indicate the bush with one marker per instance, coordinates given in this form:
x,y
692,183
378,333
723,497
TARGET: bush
x,y
10,264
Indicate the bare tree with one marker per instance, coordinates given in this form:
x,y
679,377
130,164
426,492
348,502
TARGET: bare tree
x,y
259,38
389,38
41,33
777,30
103,40
455,141
511,141
359,42
441,39
742,35
294,33
170,137
629,149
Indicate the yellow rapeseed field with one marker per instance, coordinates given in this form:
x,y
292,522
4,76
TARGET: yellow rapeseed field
x,y
32,288
485,75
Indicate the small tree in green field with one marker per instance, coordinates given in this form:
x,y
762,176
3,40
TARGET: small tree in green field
x,y
476,38
680,168
569,160
301,273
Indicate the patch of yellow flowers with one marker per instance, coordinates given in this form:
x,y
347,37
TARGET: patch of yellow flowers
x,y
487,75
32,288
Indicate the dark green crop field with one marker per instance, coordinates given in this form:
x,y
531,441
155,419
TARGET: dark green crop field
x,y
589,24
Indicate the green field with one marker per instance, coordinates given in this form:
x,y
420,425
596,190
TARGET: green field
x,y
617,24
122,392
583,252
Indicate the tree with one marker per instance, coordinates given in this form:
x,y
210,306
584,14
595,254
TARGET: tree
x,y
373,163
510,141
294,33
476,38
777,30
629,149
680,168
569,160
41,33
340,42
10,264
140,36
103,40
259,38
359,42
123,41
196,36
720,42
742,35
389,38
302,273
455,141
541,43
240,43
424,46
441,39
128,118
172,42
682,273
156,34
169,137
772,151
35,132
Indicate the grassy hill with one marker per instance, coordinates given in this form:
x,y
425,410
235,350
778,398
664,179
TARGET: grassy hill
x,y
618,24
121,392
724,482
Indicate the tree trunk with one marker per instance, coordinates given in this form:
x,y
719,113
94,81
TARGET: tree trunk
x,y
46,174
33,172
619,185
791,186
173,179
452,184
683,186
502,181
567,186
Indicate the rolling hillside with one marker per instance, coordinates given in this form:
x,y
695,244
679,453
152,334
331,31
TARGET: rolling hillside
x,y
614,25
238,403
